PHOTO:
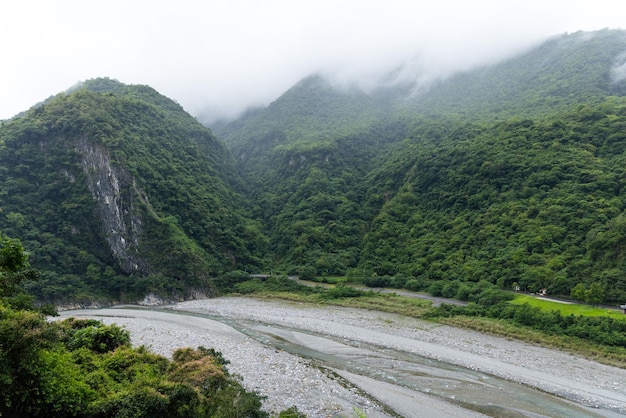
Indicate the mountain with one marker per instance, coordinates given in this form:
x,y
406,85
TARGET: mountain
x,y
304,157
523,203
582,67
510,174
504,173
115,190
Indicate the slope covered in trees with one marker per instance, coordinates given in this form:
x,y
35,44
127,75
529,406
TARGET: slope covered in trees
x,y
116,190
304,157
566,70
538,204
509,173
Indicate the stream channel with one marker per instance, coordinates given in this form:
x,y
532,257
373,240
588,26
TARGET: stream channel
x,y
401,382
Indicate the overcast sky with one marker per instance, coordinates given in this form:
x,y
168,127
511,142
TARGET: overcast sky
x,y
224,55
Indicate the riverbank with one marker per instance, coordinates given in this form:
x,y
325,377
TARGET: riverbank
x,y
292,380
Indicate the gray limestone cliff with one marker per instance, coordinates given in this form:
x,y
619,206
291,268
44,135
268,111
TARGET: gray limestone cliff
x,y
116,193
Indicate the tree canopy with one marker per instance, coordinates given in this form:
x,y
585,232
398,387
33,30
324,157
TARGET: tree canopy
x,y
84,368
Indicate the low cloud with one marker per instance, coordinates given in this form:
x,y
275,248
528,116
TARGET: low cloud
x,y
218,58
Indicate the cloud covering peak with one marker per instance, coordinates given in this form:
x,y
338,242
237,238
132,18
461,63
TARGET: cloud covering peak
x,y
218,57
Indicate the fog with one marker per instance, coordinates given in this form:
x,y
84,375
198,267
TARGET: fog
x,y
218,57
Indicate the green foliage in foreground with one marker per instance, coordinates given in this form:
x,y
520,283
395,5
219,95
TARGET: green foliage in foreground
x,y
84,368
87,369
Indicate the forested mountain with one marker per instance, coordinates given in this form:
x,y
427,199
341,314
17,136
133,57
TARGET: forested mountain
x,y
305,157
116,190
511,173
583,67
539,204
505,173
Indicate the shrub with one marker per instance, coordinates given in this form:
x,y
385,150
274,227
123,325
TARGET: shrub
x,y
292,412
414,285
436,288
99,338
227,281
398,282
377,281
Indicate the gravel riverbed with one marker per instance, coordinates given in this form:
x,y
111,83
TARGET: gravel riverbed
x,y
287,380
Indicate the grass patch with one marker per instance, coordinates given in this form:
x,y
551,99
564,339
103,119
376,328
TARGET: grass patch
x,y
567,308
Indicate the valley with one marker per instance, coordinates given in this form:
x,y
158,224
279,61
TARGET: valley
x,y
496,180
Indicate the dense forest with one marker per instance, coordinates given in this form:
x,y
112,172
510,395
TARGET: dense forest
x,y
116,191
510,174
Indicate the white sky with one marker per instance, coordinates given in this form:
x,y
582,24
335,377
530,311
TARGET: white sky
x,y
224,55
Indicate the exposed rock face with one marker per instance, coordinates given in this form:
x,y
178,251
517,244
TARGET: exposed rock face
x,y
115,191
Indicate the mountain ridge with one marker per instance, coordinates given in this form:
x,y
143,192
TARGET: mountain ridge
x,y
154,195
118,192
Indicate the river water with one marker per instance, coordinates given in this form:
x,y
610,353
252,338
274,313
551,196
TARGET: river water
x,y
401,382
469,389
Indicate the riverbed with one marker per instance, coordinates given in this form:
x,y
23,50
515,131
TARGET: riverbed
x,y
332,361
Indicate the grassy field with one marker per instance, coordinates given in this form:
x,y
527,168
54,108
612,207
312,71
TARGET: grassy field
x,y
568,308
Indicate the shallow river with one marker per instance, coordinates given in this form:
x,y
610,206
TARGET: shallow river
x,y
400,381
464,387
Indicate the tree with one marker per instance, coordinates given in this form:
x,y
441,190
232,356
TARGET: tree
x,y
579,292
14,270
595,294
13,259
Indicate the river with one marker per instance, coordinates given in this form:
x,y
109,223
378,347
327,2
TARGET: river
x,y
383,364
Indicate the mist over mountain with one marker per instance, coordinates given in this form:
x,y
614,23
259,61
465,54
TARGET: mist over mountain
x,y
339,196
511,173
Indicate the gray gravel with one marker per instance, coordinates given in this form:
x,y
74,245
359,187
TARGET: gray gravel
x,y
288,380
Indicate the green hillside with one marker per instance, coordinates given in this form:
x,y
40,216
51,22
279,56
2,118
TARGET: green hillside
x,y
304,158
116,190
556,75
539,204
509,173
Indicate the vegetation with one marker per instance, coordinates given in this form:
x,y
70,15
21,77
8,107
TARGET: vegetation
x,y
510,175
503,178
568,308
111,186
595,334
83,368
605,333
541,210
543,81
